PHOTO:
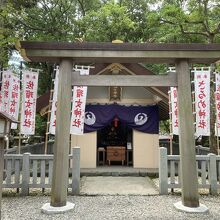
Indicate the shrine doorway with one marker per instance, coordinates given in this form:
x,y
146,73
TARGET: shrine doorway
x,y
115,145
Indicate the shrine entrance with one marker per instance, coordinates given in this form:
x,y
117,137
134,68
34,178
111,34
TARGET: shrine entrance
x,y
115,125
115,145
181,55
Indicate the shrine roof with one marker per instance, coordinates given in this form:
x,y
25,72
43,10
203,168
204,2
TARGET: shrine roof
x,y
125,69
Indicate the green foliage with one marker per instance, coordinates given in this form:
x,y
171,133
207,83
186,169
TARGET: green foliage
x,y
165,127
49,20
7,38
111,22
41,124
157,68
166,21
188,21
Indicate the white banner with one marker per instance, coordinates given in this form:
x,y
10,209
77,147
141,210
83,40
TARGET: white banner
x,y
202,100
10,95
14,96
6,90
52,127
174,110
217,103
1,103
28,107
78,105
78,110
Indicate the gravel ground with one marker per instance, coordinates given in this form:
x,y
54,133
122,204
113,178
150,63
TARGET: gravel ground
x,y
107,207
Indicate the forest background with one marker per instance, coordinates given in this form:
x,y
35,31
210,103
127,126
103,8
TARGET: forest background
x,y
143,21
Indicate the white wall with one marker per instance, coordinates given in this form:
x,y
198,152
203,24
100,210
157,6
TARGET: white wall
x,y
130,95
88,149
145,150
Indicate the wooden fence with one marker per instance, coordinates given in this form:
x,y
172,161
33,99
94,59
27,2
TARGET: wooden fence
x,y
25,171
208,170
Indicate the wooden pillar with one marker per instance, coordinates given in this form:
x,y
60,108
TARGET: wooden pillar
x,y
1,170
61,145
189,181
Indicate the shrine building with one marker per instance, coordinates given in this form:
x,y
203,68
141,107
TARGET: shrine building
x,y
121,123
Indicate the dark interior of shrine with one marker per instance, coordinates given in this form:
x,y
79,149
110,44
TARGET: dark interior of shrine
x,y
115,134
114,144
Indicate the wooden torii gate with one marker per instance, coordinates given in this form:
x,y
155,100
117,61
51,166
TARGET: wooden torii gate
x,y
182,55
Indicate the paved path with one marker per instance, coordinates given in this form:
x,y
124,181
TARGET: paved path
x,y
106,185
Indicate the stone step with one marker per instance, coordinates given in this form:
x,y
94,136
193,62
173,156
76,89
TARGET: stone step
x,y
118,171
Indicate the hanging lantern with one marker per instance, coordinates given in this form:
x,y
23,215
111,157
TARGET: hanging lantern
x,y
116,122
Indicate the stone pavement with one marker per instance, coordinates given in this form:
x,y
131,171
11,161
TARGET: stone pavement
x,y
108,208
118,185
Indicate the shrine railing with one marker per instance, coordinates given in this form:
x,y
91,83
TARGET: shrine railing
x,y
208,172
27,171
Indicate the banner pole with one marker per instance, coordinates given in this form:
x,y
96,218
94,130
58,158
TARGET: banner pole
x,y
171,131
48,122
170,124
19,137
216,114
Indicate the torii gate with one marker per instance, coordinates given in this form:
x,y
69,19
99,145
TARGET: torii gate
x,y
182,55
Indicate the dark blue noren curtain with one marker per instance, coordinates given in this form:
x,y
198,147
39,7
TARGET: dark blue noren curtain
x,y
141,118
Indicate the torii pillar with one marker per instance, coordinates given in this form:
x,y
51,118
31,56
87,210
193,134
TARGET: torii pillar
x,y
59,202
188,170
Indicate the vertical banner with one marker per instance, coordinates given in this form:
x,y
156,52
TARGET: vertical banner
x,y
78,110
10,95
52,127
202,100
14,96
217,103
78,105
1,103
6,90
28,107
174,110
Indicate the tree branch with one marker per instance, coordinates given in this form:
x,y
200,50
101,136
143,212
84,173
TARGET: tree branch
x,y
168,22
82,7
217,30
192,32
30,27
